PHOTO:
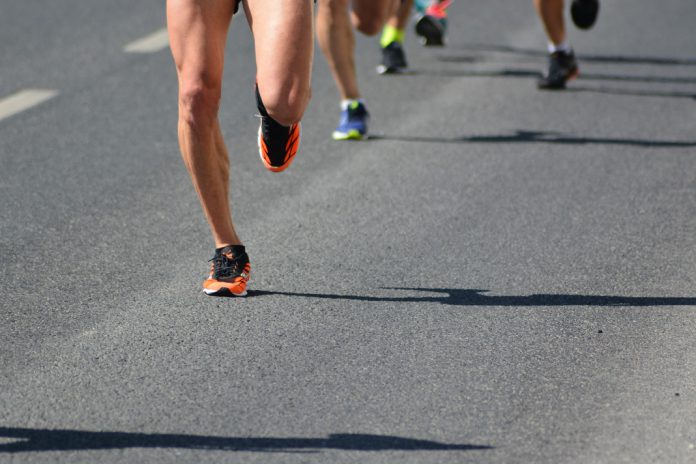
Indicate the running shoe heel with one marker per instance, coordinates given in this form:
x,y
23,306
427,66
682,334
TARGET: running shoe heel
x,y
278,144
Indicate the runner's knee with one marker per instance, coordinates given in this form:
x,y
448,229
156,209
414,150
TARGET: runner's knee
x,y
286,107
199,100
368,26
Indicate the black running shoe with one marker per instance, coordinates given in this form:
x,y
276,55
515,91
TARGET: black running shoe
x,y
562,68
584,13
229,272
433,24
278,144
393,59
431,30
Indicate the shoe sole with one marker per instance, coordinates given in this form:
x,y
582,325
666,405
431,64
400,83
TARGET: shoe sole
x,y
288,162
224,291
381,69
218,288
431,33
350,135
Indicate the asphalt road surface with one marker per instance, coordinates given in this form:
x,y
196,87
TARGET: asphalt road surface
x,y
500,275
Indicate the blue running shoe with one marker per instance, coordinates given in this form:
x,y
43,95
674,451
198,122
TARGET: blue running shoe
x,y
353,125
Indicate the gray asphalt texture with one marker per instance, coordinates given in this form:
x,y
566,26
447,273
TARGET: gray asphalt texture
x,y
501,275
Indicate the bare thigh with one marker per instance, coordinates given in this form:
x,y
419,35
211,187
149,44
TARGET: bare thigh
x,y
370,15
197,35
284,44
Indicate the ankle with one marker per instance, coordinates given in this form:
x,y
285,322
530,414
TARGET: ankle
x,y
563,47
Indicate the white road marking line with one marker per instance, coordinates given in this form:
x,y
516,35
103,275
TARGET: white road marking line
x,y
10,440
23,100
152,43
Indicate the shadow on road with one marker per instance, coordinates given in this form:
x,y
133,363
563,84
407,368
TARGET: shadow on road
x,y
631,92
610,59
75,440
527,73
524,136
471,297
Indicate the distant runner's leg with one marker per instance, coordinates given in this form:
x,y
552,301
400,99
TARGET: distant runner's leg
x,y
562,63
551,14
335,36
392,40
370,15
399,19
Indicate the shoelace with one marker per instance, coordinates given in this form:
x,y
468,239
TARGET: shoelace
x,y
223,266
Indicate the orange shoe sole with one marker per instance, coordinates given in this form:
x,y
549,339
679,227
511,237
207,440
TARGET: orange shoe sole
x,y
237,288
291,149
215,287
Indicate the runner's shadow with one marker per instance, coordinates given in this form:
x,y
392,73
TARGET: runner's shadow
x,y
591,58
531,73
78,440
631,92
473,297
525,136
506,72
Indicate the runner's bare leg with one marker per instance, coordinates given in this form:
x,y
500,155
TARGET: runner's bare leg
x,y
284,42
197,35
335,35
399,20
551,15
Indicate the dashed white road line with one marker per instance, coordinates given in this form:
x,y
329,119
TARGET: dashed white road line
x,y
23,100
152,43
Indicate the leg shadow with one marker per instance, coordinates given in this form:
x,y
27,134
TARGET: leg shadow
x,y
472,297
631,92
77,440
608,59
525,136
527,73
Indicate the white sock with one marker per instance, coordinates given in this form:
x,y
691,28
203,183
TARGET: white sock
x,y
346,103
561,47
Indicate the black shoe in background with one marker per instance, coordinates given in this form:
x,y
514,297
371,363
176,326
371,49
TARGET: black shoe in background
x,y
393,59
584,13
431,30
562,68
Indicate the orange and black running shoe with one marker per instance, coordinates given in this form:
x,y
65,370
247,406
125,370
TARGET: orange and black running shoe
x,y
229,272
278,144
